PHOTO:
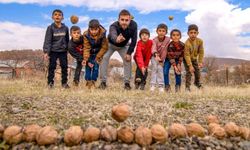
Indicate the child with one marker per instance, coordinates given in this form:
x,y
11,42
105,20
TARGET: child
x,y
142,57
159,51
55,47
95,46
175,54
193,54
76,50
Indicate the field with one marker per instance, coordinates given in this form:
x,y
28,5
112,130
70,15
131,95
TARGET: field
x,y
27,101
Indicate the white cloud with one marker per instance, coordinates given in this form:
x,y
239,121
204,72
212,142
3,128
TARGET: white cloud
x,y
18,36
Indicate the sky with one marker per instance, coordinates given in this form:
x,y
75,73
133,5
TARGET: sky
x,y
224,25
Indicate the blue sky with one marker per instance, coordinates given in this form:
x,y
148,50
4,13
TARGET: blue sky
x,y
223,23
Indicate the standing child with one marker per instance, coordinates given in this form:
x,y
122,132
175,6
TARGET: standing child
x,y
142,57
159,51
193,54
95,46
55,47
76,50
175,53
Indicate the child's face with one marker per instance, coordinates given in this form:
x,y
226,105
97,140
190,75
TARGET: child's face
x,y
57,17
144,37
94,31
75,35
176,36
193,34
161,32
124,21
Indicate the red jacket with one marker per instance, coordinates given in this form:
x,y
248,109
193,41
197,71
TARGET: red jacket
x,y
143,53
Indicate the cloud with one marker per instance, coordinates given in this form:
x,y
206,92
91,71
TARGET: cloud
x,y
18,36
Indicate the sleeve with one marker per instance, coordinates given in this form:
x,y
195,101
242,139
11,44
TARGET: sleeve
x,y
113,33
201,52
133,42
149,54
138,55
67,36
74,53
182,55
154,51
86,48
187,54
48,40
170,54
103,49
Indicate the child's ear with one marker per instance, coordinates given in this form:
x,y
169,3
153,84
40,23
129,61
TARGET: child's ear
x,y
197,32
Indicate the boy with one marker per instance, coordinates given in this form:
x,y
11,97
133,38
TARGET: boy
x,y
193,54
159,51
175,54
142,57
55,47
76,50
95,46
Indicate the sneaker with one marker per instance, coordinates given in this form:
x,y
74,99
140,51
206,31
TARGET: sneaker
x,y
103,85
188,89
167,88
142,87
137,83
65,86
177,88
50,85
199,86
88,84
161,89
76,83
152,88
127,86
93,84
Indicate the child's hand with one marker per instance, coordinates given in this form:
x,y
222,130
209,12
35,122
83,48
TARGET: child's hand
x,y
191,69
143,70
176,70
84,62
90,65
120,38
128,58
98,60
179,67
200,65
157,59
46,56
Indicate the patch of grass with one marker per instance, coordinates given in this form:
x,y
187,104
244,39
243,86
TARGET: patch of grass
x,y
183,105
77,121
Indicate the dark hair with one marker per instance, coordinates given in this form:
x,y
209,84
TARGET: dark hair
x,y
162,26
144,30
57,10
193,27
74,28
124,12
94,23
175,30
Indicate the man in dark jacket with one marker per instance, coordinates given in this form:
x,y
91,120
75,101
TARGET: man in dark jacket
x,y
55,47
76,50
120,33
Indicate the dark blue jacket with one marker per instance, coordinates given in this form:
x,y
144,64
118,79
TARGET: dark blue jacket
x,y
56,39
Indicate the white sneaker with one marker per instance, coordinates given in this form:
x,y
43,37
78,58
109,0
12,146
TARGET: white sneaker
x,y
152,88
161,89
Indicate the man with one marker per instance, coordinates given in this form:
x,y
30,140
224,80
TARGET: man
x,y
120,32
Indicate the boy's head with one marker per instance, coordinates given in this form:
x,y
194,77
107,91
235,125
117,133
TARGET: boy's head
x,y
124,18
144,34
75,33
193,31
57,15
175,35
162,30
94,27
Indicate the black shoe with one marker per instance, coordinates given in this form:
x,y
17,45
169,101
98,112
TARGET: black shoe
x,y
167,88
177,88
65,86
127,86
76,83
103,85
50,85
199,86
142,87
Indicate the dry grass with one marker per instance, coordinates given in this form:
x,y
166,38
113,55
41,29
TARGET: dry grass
x,y
29,101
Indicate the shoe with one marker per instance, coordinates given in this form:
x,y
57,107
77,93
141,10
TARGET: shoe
x,y
199,86
93,84
188,89
167,88
127,86
103,85
161,89
137,83
89,84
65,86
50,85
177,88
142,87
76,83
152,88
